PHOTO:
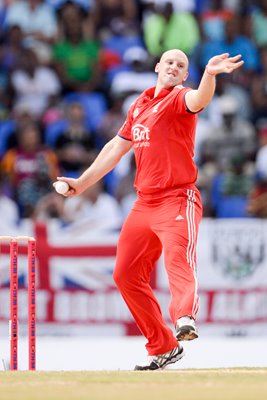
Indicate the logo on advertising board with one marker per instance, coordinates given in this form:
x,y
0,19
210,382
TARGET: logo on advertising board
x,y
238,252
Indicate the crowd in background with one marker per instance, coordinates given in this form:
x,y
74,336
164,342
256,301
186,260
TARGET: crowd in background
x,y
69,71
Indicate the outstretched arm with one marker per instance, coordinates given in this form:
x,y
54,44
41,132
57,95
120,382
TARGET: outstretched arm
x,y
200,98
106,160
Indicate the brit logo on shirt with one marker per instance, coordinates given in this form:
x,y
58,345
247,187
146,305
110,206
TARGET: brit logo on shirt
x,y
141,136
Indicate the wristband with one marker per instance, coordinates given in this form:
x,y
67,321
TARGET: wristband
x,y
208,72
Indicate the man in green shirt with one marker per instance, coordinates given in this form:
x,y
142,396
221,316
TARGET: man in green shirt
x,y
167,29
77,60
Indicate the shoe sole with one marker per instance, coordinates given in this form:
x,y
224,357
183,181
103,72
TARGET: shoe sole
x,y
186,333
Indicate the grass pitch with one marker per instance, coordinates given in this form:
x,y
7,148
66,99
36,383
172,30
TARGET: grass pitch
x,y
206,384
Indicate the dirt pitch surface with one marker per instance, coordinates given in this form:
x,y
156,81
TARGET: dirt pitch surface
x,y
205,384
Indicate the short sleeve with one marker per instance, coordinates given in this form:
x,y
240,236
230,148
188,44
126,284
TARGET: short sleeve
x,y
126,129
179,103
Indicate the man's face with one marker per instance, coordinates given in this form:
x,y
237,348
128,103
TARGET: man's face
x,y
172,68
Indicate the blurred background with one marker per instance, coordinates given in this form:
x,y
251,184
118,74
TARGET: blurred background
x,y
68,72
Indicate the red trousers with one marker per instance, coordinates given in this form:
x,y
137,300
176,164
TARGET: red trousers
x,y
167,221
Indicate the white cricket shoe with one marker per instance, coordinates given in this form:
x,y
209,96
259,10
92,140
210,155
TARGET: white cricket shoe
x,y
162,360
186,328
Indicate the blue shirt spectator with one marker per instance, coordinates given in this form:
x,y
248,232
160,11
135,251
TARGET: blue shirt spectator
x,y
234,43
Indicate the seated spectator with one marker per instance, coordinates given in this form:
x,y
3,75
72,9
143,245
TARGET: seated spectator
x,y
232,135
213,20
94,209
77,59
233,43
113,17
167,29
71,10
75,147
33,84
18,118
205,130
29,169
38,23
138,77
54,111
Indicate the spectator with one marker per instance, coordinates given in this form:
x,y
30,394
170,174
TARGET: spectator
x,y
77,59
234,134
213,20
69,11
136,79
94,208
167,29
29,169
112,17
233,43
75,147
38,23
33,84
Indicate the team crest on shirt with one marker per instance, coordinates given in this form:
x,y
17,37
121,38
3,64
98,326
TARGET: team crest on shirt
x,y
156,108
136,112
141,136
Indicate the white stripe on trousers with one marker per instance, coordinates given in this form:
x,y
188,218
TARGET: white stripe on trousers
x,y
191,247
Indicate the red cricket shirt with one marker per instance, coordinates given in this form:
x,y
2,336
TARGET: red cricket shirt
x,y
163,132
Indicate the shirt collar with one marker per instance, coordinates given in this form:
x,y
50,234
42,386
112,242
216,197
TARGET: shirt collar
x,y
150,92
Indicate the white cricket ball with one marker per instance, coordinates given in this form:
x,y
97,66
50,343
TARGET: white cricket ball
x,y
61,187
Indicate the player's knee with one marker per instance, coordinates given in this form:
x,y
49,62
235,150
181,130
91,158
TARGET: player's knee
x,y
124,277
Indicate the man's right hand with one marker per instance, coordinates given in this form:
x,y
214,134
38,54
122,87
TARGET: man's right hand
x,y
75,186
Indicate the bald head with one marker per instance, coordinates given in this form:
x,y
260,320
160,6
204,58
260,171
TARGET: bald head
x,y
172,69
175,54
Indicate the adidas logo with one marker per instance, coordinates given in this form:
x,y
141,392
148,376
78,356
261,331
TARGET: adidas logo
x,y
179,217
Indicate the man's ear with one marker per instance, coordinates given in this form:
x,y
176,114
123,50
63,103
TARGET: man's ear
x,y
186,76
157,67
